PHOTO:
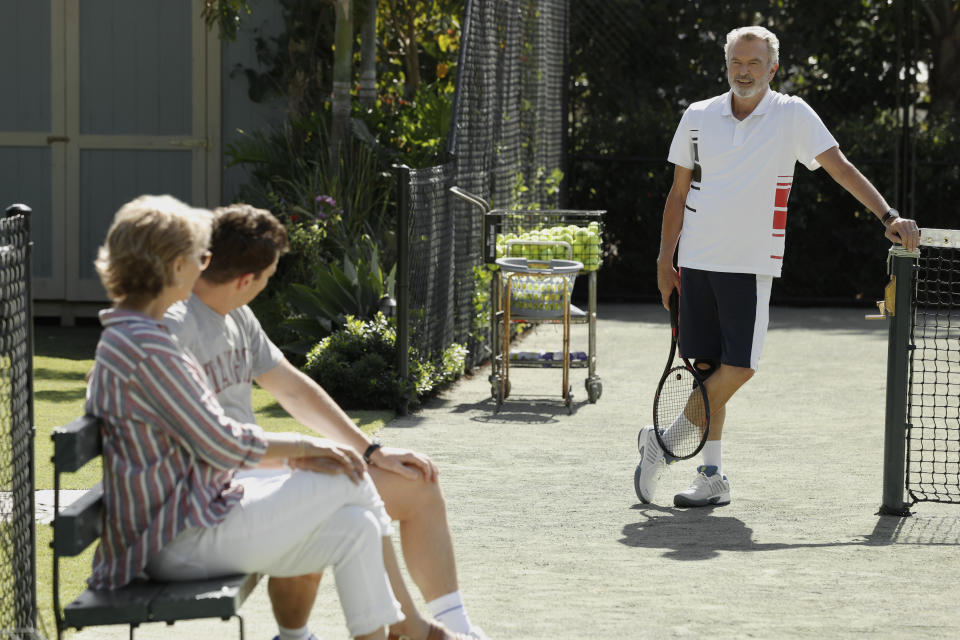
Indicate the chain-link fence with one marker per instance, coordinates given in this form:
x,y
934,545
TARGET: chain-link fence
x,y
506,145
17,544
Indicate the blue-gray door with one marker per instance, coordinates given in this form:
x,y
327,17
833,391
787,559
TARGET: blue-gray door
x,y
113,97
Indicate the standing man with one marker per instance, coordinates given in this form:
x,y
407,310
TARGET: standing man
x,y
734,157
217,327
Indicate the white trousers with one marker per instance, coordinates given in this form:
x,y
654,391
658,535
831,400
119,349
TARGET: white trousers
x,y
289,524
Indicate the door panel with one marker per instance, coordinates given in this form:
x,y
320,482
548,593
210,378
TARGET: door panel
x,y
108,179
25,72
138,80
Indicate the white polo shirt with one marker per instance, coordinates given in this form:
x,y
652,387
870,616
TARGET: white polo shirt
x,y
736,210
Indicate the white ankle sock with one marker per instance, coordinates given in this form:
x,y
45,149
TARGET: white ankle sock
x,y
303,633
450,611
684,425
713,454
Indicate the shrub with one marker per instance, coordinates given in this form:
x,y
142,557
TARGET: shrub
x,y
357,366
335,293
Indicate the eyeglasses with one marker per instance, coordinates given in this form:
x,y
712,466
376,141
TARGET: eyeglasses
x,y
204,259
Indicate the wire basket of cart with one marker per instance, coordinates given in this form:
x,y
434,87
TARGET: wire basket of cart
x,y
546,239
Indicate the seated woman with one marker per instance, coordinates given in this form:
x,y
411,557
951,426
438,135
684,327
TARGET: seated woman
x,y
173,506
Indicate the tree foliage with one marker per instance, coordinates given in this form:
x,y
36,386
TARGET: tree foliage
x,y
225,15
417,44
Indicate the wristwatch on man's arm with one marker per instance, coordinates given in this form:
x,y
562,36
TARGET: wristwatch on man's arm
x,y
369,452
888,218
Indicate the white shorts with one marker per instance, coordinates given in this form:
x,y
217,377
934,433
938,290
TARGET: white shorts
x,y
290,524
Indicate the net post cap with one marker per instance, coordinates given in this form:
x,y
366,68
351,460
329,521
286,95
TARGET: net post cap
x,y
900,252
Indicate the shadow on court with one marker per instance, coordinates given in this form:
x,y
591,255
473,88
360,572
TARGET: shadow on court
x,y
919,529
700,534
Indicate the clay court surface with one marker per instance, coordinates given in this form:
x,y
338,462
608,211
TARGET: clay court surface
x,y
553,544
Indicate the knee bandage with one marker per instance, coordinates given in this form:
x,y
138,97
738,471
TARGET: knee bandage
x,y
706,367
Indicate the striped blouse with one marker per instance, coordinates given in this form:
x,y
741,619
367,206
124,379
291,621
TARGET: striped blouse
x,y
169,451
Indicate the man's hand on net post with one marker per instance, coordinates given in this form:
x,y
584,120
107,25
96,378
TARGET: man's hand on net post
x,y
905,232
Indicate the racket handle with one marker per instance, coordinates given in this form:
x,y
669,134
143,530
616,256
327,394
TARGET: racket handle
x,y
674,308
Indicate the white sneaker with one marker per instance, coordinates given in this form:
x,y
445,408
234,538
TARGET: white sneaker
x,y
477,633
708,488
651,464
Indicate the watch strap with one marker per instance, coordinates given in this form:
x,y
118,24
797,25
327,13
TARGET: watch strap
x,y
369,452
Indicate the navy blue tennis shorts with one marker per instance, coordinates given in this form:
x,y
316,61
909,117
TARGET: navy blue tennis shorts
x,y
724,316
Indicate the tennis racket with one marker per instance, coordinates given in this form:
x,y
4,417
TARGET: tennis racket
x,y
681,413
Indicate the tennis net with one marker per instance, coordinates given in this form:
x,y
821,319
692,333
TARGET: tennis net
x,y
933,383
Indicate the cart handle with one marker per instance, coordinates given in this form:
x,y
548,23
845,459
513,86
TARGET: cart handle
x,y
471,198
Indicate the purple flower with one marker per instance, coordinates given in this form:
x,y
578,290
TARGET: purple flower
x,y
328,200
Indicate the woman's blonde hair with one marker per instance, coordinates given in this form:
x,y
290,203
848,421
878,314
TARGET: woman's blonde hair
x,y
146,237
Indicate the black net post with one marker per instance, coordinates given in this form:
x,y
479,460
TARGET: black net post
x,y
18,597
894,447
403,273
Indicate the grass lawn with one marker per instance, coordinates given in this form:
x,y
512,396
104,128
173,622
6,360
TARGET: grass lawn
x,y
62,357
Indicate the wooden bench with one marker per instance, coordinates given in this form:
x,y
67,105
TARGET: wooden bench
x,y
81,524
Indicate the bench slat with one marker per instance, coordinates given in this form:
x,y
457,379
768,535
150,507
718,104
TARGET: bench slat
x,y
216,598
76,444
79,524
144,601
130,605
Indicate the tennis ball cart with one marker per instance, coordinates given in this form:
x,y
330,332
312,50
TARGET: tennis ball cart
x,y
535,257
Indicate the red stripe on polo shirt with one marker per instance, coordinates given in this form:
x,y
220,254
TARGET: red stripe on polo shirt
x,y
780,219
783,194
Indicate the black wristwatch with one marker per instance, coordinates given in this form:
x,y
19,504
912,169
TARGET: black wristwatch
x,y
369,452
891,214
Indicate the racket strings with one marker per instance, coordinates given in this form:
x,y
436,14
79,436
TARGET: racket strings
x,y
681,413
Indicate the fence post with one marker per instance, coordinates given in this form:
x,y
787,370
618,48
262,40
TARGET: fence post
x,y
403,275
26,557
895,427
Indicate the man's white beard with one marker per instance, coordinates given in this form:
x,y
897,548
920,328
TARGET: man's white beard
x,y
746,92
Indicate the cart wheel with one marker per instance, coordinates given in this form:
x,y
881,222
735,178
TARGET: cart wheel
x,y
594,390
495,388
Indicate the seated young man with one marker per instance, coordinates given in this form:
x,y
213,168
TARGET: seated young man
x,y
224,335
174,504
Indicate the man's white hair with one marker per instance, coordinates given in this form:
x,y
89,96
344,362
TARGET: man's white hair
x,y
754,33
